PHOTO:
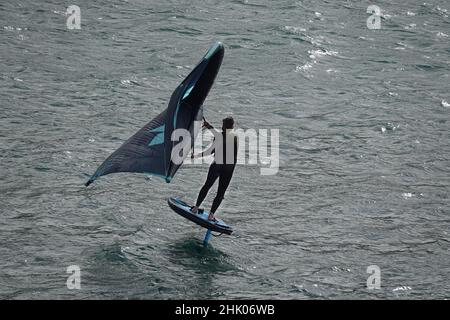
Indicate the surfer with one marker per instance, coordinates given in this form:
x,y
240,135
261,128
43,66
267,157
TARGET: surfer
x,y
223,165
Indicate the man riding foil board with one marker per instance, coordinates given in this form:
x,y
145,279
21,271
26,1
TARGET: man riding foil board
x,y
224,148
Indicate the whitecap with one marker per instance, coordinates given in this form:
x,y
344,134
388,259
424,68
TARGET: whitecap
x,y
391,127
313,54
402,288
445,104
442,11
410,26
295,30
61,13
365,38
304,67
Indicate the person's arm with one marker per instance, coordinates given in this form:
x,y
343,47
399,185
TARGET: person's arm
x,y
208,151
209,126
211,148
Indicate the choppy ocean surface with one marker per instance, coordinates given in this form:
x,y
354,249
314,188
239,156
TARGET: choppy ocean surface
x,y
364,150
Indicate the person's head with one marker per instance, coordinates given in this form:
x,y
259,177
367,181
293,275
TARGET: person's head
x,y
228,123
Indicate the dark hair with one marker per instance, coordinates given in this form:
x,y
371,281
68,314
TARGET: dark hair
x,y
228,123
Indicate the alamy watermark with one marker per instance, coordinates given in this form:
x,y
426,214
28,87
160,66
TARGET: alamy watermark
x,y
74,280
374,280
252,147
374,21
74,19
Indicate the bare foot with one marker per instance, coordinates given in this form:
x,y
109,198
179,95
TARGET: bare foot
x,y
211,217
194,209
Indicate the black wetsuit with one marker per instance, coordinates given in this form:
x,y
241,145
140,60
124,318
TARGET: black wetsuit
x,y
222,169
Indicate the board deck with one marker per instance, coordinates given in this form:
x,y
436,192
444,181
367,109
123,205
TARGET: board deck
x,y
200,218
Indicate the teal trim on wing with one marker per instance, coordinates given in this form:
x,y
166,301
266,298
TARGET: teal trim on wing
x,y
175,116
188,91
185,95
159,129
212,50
156,175
158,139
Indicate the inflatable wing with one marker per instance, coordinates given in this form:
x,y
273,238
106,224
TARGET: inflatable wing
x,y
149,150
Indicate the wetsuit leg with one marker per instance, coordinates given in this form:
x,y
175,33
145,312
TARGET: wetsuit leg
x,y
213,174
224,180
